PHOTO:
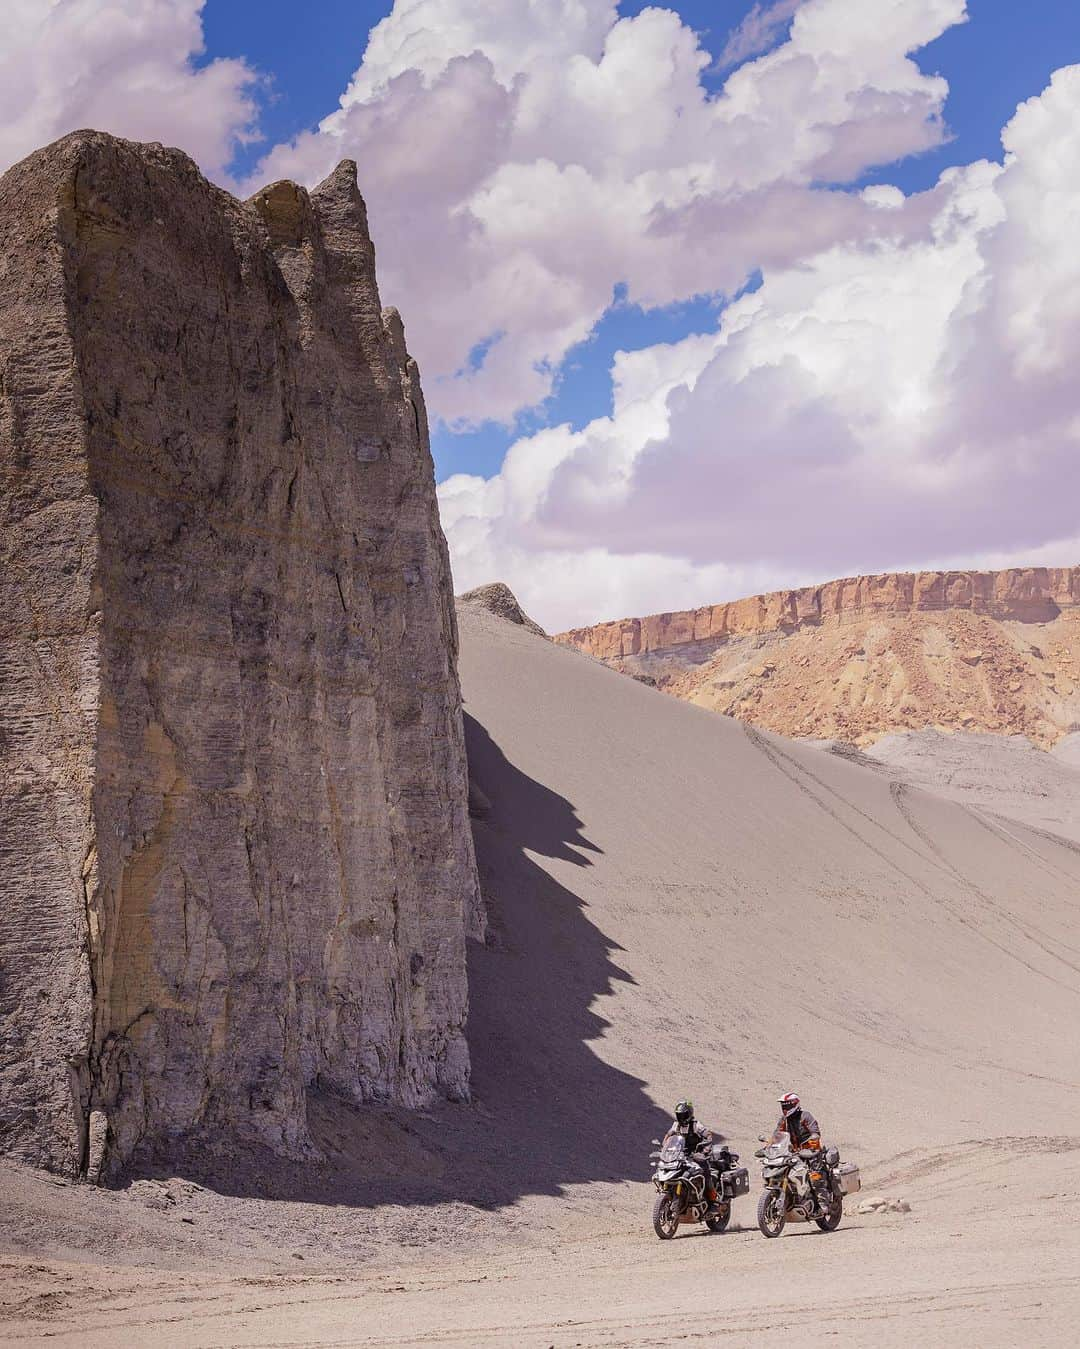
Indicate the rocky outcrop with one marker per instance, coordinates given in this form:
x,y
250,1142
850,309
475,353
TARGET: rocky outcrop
x,y
497,598
236,857
1030,594
859,658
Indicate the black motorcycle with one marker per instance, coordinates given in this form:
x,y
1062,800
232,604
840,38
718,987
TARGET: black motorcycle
x,y
682,1187
788,1195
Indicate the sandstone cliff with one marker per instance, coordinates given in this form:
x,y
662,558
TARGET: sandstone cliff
x,y
236,858
860,657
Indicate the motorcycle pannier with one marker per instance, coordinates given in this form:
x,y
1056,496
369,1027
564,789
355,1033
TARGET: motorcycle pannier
x,y
847,1175
735,1182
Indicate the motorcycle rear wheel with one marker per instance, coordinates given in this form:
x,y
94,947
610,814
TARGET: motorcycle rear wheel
x,y
665,1220
770,1213
719,1221
831,1220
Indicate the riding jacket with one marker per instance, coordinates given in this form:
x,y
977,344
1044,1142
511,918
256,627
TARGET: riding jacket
x,y
803,1127
697,1135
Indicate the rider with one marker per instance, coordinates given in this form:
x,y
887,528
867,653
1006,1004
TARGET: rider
x,y
699,1140
805,1134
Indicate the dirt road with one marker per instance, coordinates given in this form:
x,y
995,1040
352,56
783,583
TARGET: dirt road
x,y
989,1256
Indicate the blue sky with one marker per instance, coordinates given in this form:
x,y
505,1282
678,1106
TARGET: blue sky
x,y
1003,54
307,57
703,347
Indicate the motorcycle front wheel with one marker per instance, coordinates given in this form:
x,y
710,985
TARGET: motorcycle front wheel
x,y
831,1221
719,1221
665,1220
770,1213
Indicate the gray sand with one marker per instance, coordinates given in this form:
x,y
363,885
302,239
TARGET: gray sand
x,y
677,905
996,775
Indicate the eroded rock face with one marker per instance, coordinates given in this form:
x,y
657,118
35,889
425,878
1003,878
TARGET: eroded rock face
x,y
1032,594
236,856
858,658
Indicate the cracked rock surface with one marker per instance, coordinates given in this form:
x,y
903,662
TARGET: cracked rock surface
x,y
236,857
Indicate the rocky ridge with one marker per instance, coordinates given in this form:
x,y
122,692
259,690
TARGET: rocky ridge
x,y
861,657
237,860
497,598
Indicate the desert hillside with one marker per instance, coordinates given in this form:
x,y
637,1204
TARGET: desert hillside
x,y
859,658
679,845
677,903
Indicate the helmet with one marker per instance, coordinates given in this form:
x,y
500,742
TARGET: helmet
x,y
684,1112
789,1104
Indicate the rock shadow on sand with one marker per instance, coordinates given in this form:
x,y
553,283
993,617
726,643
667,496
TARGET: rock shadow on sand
x,y
546,1111
561,1115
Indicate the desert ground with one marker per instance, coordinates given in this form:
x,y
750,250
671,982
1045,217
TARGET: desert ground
x,y
678,904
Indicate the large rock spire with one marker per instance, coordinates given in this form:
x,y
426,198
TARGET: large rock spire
x,y
236,863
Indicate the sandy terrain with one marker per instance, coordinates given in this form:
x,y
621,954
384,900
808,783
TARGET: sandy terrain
x,y
678,903
953,1272
1000,776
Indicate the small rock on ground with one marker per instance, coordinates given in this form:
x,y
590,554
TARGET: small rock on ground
x,y
879,1203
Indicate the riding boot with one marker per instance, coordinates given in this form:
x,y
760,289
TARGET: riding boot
x,y
713,1198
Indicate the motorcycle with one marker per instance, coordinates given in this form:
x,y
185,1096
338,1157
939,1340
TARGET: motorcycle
x,y
788,1195
682,1188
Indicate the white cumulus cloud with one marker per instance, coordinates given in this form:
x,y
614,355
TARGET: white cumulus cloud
x,y
125,68
895,391
521,160
757,31
901,398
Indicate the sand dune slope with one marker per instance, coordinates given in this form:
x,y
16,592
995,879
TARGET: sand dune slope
x,y
996,775
772,917
677,903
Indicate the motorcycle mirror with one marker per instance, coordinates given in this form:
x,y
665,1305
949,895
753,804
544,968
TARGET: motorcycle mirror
x,y
761,1138
655,1142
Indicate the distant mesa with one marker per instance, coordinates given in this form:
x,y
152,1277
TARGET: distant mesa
x,y
993,651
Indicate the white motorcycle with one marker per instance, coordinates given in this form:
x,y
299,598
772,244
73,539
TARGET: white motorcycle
x,y
788,1195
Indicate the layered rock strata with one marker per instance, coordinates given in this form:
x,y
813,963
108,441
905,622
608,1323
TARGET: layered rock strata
x,y
861,657
236,862
1030,594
